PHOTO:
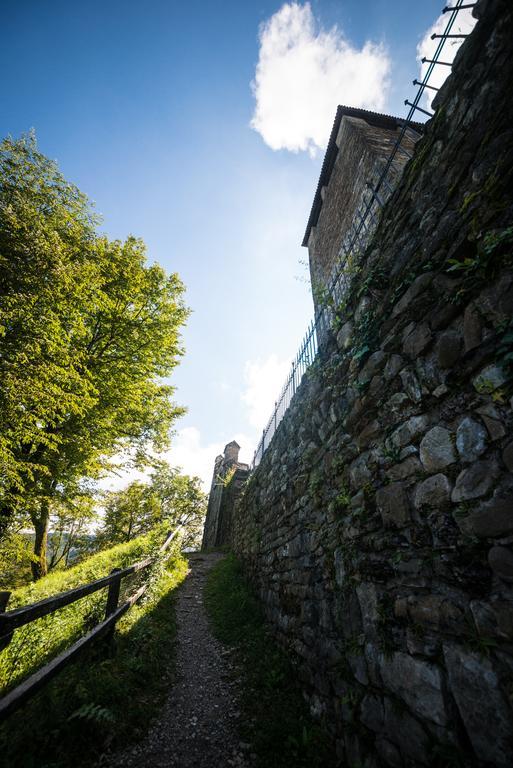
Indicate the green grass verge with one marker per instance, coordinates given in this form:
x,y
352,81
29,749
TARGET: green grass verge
x,y
107,697
35,644
276,720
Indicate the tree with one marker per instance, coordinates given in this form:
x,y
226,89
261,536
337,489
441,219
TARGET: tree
x,y
169,496
16,556
182,501
129,512
71,530
88,333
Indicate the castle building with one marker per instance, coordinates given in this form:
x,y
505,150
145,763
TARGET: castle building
x,y
229,475
359,146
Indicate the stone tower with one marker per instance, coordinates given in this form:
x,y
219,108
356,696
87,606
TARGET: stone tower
x,y
227,480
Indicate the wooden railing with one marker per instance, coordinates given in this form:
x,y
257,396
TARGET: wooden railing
x,y
11,620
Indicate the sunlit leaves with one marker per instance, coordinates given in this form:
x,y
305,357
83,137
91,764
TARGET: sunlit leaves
x,y
88,333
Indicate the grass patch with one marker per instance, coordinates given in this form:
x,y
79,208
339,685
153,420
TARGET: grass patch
x,y
276,719
107,697
35,644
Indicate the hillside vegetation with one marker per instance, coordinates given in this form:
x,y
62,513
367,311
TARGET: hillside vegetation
x,y
101,700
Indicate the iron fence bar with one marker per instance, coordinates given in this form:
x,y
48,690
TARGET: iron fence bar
x,y
374,194
409,130
360,215
409,155
425,85
370,213
387,185
458,8
425,79
420,109
434,36
435,61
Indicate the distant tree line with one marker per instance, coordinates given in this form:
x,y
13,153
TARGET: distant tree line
x,y
89,334
168,496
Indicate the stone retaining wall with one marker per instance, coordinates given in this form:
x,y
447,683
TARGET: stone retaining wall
x,y
378,526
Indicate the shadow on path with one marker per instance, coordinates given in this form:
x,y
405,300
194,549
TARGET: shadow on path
x,y
197,726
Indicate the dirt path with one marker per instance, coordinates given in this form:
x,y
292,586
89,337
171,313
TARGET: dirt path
x,y
198,723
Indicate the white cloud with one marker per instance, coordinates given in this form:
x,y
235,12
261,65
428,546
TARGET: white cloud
x,y
304,72
463,25
187,452
122,476
264,380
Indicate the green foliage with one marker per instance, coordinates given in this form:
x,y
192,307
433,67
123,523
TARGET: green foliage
x,y
468,199
169,496
228,477
129,513
88,331
92,713
365,334
276,720
71,536
482,645
16,557
351,704
463,265
343,499
475,641
392,452
361,351
497,238
106,698
316,483
36,643
480,261
398,557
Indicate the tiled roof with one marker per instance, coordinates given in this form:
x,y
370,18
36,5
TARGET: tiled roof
x,y
372,118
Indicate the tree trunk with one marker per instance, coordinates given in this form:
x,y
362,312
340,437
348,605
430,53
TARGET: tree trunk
x,y
6,516
130,524
40,566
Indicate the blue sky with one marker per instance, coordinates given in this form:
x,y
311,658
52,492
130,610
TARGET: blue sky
x,y
147,108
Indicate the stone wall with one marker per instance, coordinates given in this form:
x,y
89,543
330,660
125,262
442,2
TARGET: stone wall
x,y
378,527
227,481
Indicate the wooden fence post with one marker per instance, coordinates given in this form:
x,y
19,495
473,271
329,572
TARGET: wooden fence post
x,y
5,637
112,600
4,599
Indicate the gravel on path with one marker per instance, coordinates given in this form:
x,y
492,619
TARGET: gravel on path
x,y
197,726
